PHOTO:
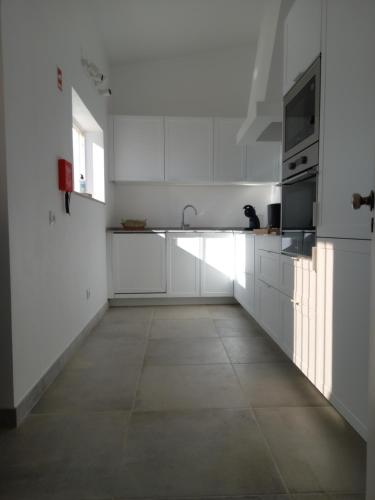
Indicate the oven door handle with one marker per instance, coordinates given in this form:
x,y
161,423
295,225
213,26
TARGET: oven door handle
x,y
307,174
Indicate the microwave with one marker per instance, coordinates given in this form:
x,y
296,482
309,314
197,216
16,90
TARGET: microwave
x,y
301,112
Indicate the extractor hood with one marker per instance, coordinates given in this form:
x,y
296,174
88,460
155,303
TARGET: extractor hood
x,y
264,118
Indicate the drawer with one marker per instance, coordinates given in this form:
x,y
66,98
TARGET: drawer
x,y
268,309
298,279
268,242
267,267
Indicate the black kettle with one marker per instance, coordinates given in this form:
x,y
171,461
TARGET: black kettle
x,y
250,212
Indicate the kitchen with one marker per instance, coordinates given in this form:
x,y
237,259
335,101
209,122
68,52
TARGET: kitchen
x,y
156,259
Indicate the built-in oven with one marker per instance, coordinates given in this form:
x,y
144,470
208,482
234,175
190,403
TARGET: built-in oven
x,y
301,113
298,202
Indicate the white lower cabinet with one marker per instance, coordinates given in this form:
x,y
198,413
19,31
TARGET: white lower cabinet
x,y
268,309
175,264
343,312
138,263
244,278
217,267
267,267
287,325
298,334
244,291
184,252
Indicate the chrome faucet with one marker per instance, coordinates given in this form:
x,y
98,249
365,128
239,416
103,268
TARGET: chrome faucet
x,y
183,225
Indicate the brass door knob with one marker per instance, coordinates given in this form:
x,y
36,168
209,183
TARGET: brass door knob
x,y
358,201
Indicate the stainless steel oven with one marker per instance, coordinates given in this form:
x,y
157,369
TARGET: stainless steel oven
x,y
299,195
302,113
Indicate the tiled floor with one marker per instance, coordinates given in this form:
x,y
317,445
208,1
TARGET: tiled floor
x,y
180,402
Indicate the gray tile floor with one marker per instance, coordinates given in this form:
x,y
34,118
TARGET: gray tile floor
x,y
181,402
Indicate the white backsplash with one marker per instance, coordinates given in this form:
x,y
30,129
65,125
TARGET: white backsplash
x,y
217,206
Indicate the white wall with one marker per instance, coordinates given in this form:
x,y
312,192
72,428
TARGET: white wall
x,y
6,365
51,266
217,206
209,84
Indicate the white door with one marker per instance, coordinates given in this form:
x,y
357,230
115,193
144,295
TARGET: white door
x,y
188,149
138,143
184,252
217,265
138,263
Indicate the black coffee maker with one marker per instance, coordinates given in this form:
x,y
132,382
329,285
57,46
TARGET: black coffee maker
x,y
250,212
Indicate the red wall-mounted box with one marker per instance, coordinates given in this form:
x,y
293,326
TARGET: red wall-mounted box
x,y
65,176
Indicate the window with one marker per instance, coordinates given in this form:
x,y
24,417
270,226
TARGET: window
x,y
88,151
79,158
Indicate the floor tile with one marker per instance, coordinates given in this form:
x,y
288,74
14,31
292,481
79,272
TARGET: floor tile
x,y
185,351
106,353
227,311
326,496
124,330
188,387
62,457
315,448
209,452
277,384
242,497
91,389
238,327
181,312
177,328
253,350
127,314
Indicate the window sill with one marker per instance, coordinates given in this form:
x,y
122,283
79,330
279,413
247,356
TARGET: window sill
x,y
88,197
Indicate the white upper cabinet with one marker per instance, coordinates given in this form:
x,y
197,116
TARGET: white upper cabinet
x,y
302,39
188,149
229,158
347,132
138,143
263,162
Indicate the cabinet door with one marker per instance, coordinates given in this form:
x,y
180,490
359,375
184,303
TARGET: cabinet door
x,y
267,267
184,252
347,160
244,291
288,325
244,254
188,149
217,265
302,39
229,158
138,263
263,162
268,313
343,325
138,143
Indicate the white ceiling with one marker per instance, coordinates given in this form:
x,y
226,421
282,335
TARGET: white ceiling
x,y
134,30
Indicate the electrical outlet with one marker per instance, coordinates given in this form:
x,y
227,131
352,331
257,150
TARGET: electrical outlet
x,y
88,293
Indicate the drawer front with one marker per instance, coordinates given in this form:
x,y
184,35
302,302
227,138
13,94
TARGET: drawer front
x,y
298,279
267,267
269,309
270,243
